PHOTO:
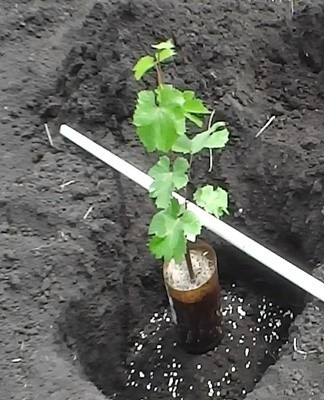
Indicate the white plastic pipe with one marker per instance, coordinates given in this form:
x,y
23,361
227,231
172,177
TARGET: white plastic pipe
x,y
266,257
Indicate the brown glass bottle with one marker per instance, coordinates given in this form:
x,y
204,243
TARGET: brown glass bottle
x,y
196,312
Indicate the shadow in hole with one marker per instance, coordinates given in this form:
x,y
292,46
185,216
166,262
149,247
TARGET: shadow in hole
x,y
96,329
249,274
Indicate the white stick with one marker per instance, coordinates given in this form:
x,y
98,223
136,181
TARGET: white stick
x,y
296,349
86,215
211,150
48,133
271,260
265,126
67,184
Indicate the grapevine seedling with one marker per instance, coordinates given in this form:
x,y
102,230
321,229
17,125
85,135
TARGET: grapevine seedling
x,y
163,117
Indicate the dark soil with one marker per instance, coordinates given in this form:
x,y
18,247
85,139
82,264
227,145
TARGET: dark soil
x,y
81,298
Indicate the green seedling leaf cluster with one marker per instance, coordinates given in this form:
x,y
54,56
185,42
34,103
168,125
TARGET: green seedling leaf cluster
x,y
169,229
167,179
163,117
215,201
215,137
164,51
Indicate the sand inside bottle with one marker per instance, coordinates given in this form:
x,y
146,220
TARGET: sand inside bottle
x,y
178,277
195,305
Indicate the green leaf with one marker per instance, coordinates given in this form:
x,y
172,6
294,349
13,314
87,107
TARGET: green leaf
x,y
169,240
180,168
160,224
200,141
182,145
193,118
167,179
169,96
214,201
191,224
169,247
142,66
172,99
170,228
219,138
165,54
194,105
214,138
168,45
145,104
158,125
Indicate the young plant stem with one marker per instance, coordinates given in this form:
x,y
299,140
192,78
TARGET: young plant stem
x,y
189,265
187,255
159,74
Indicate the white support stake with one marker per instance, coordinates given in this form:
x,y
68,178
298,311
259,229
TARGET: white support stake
x,y
266,257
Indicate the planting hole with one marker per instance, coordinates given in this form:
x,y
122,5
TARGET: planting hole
x,y
153,365
119,327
